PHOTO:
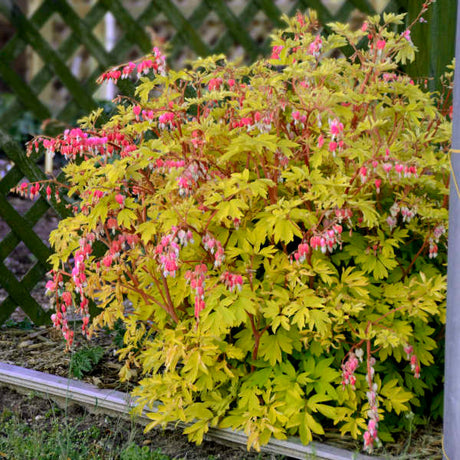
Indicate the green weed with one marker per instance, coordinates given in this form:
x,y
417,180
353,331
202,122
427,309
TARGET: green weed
x,y
84,360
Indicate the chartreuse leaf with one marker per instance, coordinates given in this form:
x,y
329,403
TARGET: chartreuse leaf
x,y
126,218
272,346
197,430
307,425
284,230
232,209
232,421
260,377
354,427
314,405
147,230
391,18
395,396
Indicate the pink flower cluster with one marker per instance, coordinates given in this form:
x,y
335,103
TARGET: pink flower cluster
x,y
276,51
197,279
29,190
336,133
167,251
407,214
79,278
381,44
434,239
166,120
342,214
402,170
128,69
60,318
190,177
165,165
302,251
365,172
433,250
215,248
232,281
156,62
328,240
76,142
116,136
335,128
349,367
247,122
63,302
406,35
392,221
78,270
283,162
113,74
214,84
95,194
49,145
315,47
348,378
412,358
126,152
120,199
263,122
118,244
185,186
299,119
197,139
371,435
148,115
405,171
184,236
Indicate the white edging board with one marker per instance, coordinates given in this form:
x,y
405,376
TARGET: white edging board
x,y
113,401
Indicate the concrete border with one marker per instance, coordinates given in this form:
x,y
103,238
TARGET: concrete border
x,y
119,403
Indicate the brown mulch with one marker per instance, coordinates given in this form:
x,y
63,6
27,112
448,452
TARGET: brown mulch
x,y
43,349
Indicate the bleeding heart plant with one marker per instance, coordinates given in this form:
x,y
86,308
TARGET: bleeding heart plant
x,y
272,236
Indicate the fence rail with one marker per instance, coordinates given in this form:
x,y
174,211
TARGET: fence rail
x,y
28,94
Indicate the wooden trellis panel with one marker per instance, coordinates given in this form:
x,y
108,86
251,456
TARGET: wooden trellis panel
x,y
235,31
22,230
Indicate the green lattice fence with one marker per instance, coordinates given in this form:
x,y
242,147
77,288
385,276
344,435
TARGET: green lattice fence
x,y
236,29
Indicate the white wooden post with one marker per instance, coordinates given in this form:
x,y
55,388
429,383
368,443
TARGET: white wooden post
x,y
451,439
